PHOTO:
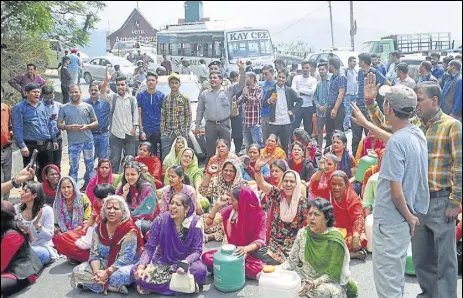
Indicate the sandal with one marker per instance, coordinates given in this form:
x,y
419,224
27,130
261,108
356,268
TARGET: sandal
x,y
142,291
362,254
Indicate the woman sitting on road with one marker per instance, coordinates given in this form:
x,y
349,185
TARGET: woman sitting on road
x,y
289,214
140,195
299,163
126,160
50,178
178,182
104,174
347,208
20,264
370,142
320,256
230,178
153,163
36,219
223,154
249,170
174,154
116,246
174,236
272,149
71,209
347,162
331,164
244,226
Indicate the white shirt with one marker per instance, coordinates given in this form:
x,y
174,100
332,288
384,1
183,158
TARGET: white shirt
x,y
281,112
306,86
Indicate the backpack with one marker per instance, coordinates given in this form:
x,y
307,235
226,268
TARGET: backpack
x,y
113,107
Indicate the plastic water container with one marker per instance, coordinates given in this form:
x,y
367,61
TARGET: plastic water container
x,y
409,266
364,164
228,270
369,232
278,283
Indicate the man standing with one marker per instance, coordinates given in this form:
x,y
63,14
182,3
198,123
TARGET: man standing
x,y
434,247
66,79
305,86
53,107
425,73
19,83
283,103
436,70
313,70
445,64
203,71
321,102
166,64
99,102
365,69
214,67
185,69
74,66
123,121
223,68
376,64
335,109
391,73
269,76
252,100
150,102
175,116
32,129
78,119
6,133
451,93
402,194
81,68
215,105
403,79
352,89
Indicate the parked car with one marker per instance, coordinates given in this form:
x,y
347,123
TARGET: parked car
x,y
121,48
343,56
95,69
189,86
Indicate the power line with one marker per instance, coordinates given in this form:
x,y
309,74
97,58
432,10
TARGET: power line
x,y
298,21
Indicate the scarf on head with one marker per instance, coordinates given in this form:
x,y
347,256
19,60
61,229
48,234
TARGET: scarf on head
x,y
97,180
63,218
171,158
368,145
192,171
49,192
289,211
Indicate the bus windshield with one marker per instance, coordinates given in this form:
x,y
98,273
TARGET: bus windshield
x,y
249,48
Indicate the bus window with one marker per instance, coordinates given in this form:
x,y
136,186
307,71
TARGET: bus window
x,y
162,48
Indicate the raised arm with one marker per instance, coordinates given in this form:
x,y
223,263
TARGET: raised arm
x,y
261,183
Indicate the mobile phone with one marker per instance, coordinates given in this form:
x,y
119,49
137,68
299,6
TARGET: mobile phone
x,y
246,161
184,265
33,158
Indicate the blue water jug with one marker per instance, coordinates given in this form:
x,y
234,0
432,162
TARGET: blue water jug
x,y
228,270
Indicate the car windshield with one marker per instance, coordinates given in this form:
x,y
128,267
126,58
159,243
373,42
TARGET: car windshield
x,y
120,61
189,89
249,48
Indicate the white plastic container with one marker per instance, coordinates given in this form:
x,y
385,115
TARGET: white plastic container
x,y
279,284
369,232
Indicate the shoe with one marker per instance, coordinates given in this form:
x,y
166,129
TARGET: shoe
x,y
73,262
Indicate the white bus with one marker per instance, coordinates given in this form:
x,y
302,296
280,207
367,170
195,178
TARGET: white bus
x,y
196,41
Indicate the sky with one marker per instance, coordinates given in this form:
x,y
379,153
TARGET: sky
x,y
396,17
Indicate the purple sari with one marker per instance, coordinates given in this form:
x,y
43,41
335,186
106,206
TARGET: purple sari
x,y
166,247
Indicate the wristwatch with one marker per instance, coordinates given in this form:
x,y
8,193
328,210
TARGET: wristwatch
x,y
15,184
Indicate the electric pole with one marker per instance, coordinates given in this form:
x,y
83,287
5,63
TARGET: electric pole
x,y
137,6
331,22
352,33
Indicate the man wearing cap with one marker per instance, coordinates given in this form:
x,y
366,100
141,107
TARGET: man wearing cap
x,y
19,83
149,113
215,105
74,66
53,107
175,115
214,66
402,196
434,247
32,128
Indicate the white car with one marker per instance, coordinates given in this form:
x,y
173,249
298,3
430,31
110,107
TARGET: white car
x,y
189,86
343,56
95,69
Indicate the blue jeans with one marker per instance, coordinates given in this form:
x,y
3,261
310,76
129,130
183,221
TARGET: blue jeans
x,y
347,100
42,253
101,145
253,134
74,158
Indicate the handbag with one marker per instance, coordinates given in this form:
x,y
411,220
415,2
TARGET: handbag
x,y
235,112
182,283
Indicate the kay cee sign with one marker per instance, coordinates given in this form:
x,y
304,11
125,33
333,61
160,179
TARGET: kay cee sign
x,y
247,35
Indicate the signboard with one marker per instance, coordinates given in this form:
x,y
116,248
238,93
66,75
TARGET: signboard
x,y
248,35
143,39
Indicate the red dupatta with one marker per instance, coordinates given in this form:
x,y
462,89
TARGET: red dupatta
x,y
368,145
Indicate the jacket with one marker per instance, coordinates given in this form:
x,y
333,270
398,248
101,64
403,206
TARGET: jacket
x,y
292,101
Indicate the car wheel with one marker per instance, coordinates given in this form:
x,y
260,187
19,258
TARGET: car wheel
x,y
88,78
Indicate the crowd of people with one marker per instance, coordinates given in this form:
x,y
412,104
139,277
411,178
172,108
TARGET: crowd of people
x,y
288,198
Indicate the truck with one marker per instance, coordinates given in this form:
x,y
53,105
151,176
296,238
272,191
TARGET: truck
x,y
415,43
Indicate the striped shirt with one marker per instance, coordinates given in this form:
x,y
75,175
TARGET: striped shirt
x,y
251,98
176,115
443,135
338,81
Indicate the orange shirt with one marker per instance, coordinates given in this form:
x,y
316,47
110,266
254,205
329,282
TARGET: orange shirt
x,y
7,126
